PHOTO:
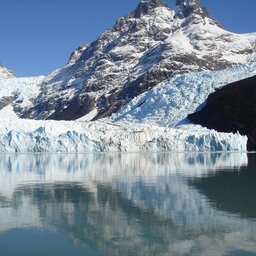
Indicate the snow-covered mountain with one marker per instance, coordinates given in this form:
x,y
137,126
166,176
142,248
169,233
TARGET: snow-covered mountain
x,y
142,49
153,68
152,121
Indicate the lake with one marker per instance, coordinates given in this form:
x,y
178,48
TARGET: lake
x,y
128,204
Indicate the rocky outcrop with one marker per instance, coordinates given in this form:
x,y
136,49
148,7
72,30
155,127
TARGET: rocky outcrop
x,y
192,12
186,8
231,109
145,7
5,101
76,54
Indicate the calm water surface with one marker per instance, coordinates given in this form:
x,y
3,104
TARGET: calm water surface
x,y
128,204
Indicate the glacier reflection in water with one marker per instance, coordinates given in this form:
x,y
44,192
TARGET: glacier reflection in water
x,y
129,204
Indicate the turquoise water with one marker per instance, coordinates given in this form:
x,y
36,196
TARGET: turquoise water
x,y
128,204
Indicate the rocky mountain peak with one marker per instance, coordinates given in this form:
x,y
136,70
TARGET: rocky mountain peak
x,y
186,8
188,2
145,6
141,50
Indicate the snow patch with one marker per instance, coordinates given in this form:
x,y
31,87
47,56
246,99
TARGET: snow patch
x,y
24,90
8,113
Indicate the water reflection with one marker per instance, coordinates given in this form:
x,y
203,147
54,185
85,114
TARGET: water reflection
x,y
234,191
134,204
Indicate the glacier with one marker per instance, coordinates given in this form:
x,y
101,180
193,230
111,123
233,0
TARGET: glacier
x,y
17,135
153,121
169,103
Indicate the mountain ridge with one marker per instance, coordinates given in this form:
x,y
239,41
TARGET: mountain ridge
x,y
142,49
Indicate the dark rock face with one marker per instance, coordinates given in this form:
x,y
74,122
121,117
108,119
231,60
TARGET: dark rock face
x,y
230,109
77,107
5,101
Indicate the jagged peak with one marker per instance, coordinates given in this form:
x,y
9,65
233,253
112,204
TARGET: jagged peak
x,y
76,54
187,2
187,7
145,6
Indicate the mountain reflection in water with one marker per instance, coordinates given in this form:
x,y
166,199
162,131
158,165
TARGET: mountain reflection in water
x,y
134,204
232,191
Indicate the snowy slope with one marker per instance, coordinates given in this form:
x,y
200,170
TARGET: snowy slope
x,y
5,73
142,49
19,92
8,113
169,103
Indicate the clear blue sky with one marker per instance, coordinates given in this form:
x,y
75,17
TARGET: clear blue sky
x,y
37,36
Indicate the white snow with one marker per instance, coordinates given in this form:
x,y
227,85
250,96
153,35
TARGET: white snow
x,y
8,113
5,73
23,89
89,116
